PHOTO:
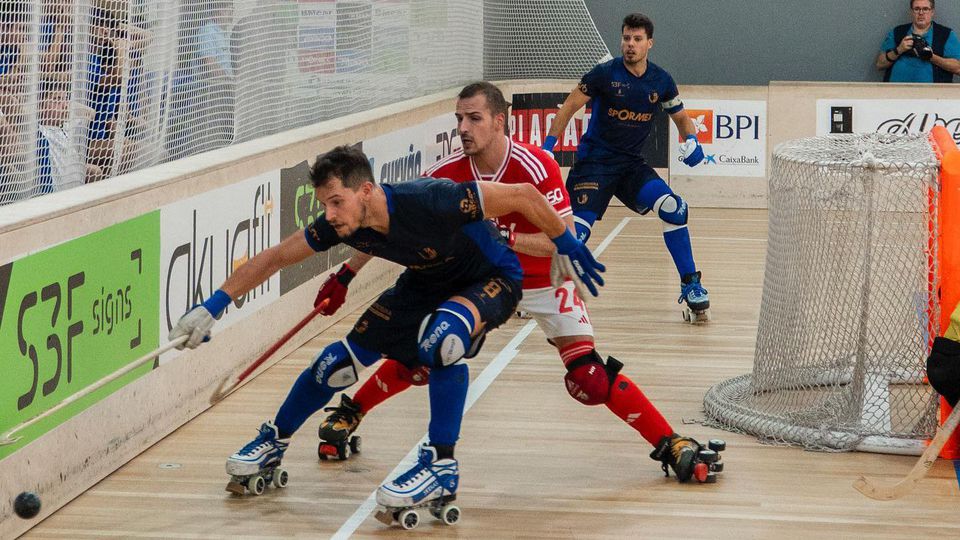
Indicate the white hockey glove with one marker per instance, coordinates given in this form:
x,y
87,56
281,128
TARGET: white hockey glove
x,y
197,322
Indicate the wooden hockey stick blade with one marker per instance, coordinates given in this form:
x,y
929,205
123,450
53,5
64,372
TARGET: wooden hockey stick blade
x,y
888,493
223,390
8,438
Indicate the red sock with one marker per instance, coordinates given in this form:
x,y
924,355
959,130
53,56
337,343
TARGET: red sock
x,y
387,381
628,402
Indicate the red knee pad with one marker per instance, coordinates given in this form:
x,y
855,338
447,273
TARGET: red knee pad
x,y
418,376
588,379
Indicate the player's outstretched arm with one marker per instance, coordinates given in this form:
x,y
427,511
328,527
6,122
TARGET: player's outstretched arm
x,y
334,289
574,102
538,244
197,322
573,258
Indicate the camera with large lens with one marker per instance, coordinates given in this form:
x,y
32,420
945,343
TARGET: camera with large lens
x,y
921,49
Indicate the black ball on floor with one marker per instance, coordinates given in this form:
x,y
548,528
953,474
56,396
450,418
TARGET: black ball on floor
x,y
27,505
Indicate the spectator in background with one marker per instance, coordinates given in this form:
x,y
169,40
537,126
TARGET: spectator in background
x,y
921,51
56,40
216,79
13,70
60,156
116,78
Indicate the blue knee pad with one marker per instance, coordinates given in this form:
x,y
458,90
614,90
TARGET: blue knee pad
x,y
583,223
672,210
338,365
444,336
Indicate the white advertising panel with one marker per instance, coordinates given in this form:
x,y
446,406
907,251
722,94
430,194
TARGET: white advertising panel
x,y
404,154
733,134
895,116
204,238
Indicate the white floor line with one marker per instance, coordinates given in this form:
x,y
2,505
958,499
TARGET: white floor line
x,y
477,388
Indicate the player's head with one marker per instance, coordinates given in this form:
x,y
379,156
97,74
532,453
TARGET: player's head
x,y
636,38
481,116
343,182
922,12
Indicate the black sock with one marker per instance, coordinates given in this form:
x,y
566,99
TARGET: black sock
x,y
444,451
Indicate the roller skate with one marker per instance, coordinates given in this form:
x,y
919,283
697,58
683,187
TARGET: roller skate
x,y
689,459
430,484
258,463
692,292
336,439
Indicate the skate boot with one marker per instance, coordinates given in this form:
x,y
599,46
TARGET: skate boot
x,y
258,463
678,453
336,430
708,463
692,292
430,483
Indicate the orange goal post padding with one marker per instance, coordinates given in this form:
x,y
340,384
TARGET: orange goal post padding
x,y
948,249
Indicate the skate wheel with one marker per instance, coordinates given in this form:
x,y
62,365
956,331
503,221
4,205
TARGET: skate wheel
x,y
450,514
711,478
708,456
717,467
280,478
409,519
717,445
256,485
700,472
343,451
686,315
355,444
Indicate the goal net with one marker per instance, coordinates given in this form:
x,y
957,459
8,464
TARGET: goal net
x,y
849,303
90,89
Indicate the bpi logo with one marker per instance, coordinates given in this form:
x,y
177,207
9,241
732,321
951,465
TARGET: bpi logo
x,y
712,127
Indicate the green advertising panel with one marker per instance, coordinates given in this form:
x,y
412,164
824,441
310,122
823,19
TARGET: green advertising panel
x,y
73,314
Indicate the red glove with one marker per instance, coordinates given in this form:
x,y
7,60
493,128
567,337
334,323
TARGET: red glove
x,y
507,235
334,289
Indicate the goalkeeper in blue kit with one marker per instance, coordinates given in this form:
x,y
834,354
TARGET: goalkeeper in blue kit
x,y
625,94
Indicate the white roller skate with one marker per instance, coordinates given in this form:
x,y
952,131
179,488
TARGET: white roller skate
x,y
258,463
430,483
692,292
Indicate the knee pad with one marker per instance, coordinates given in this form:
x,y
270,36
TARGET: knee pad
x,y
338,364
589,378
418,376
672,210
444,336
583,223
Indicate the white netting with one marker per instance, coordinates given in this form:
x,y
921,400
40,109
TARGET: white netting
x,y
90,89
847,298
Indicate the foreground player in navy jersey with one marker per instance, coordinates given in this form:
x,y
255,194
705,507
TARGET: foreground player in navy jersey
x,y
625,94
461,281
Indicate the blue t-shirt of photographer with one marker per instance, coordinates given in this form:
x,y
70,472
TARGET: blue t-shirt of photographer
x,y
909,68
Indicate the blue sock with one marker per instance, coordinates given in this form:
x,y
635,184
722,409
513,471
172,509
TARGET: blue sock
x,y
305,398
448,395
678,244
583,222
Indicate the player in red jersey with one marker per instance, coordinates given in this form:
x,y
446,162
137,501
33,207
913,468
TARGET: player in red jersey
x,y
489,154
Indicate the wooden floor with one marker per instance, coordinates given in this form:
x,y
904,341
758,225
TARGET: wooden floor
x,y
535,463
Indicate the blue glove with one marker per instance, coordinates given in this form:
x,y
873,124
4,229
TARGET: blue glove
x,y
574,260
549,143
691,151
197,322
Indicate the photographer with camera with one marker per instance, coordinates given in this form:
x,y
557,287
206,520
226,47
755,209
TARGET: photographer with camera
x,y
921,51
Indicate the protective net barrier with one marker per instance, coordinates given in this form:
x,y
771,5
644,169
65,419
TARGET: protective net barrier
x,y
847,300
90,89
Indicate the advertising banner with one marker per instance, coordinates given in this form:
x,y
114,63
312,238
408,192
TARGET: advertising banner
x,y
894,116
733,134
71,315
204,238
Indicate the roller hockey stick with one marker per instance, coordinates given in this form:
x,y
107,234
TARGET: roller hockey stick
x,y
8,438
888,493
223,390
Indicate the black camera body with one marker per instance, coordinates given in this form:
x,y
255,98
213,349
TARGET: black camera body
x,y
921,49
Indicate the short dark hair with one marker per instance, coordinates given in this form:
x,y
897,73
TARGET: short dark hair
x,y
495,100
933,4
638,20
348,163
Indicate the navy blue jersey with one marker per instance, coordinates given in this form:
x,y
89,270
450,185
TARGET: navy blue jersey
x,y
437,231
624,106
